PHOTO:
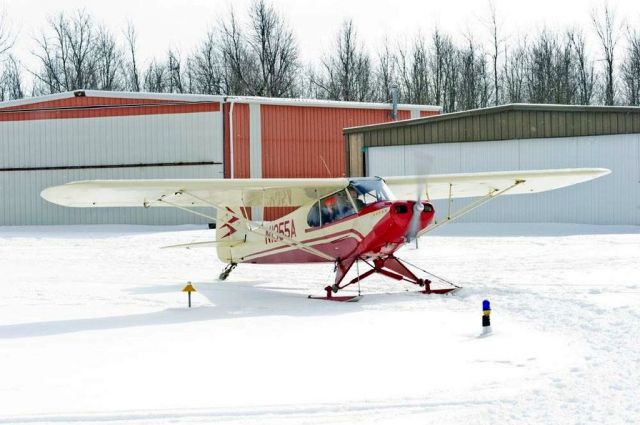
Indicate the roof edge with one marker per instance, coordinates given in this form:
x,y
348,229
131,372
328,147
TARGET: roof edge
x,y
114,94
328,103
187,97
542,107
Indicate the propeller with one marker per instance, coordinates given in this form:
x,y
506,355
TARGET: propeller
x,y
422,163
418,207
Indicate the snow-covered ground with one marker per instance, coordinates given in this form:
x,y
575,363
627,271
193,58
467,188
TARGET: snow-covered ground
x,y
94,329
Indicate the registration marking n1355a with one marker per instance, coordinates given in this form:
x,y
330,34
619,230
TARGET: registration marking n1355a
x,y
275,232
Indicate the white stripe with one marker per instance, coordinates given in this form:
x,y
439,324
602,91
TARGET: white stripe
x,y
255,152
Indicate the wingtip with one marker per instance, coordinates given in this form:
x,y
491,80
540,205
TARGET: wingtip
x,y
47,193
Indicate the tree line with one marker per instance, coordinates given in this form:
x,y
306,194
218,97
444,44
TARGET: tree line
x,y
259,56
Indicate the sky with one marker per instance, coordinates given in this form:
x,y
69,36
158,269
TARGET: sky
x,y
181,24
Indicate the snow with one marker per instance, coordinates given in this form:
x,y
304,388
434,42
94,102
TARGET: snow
x,y
94,328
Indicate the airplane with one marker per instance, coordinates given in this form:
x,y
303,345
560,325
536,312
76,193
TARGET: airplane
x,y
344,221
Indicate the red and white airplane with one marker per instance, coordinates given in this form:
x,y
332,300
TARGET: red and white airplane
x,y
337,220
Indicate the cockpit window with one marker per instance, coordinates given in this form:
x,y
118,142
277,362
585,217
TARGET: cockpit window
x,y
335,207
365,192
313,218
344,203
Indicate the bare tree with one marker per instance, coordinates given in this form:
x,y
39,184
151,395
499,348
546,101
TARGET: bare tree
x,y
413,70
109,61
275,50
81,42
496,43
631,69
515,71
73,55
131,64
443,71
53,53
385,74
174,65
473,89
442,49
607,29
585,73
156,78
240,71
207,67
346,73
11,86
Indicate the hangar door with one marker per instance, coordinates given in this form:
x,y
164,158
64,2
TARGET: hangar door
x,y
613,199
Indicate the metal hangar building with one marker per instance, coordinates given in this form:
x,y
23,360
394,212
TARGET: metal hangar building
x,y
516,137
83,135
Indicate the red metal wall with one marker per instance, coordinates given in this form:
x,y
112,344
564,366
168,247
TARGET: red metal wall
x,y
240,141
91,107
296,140
428,113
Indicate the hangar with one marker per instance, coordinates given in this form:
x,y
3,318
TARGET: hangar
x,y
516,137
83,135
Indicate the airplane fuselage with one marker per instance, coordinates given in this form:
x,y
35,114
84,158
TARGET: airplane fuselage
x,y
377,230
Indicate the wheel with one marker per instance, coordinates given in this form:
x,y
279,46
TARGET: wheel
x,y
334,288
224,275
421,282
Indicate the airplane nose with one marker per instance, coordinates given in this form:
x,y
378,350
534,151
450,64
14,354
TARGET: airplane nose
x,y
403,211
406,209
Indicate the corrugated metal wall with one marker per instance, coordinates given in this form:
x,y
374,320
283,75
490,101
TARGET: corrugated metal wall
x,y
109,141
613,199
240,141
101,141
22,205
296,141
96,135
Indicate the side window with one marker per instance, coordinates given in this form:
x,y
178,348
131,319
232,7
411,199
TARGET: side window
x,y
335,207
344,206
313,218
357,197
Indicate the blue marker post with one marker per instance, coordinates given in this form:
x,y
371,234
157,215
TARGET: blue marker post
x,y
486,317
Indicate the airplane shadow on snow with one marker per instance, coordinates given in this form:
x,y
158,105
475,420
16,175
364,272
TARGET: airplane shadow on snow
x,y
224,300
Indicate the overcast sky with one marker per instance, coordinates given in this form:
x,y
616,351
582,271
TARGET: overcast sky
x,y
182,23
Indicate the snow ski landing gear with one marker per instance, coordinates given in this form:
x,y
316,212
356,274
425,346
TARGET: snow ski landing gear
x,y
330,297
227,270
391,267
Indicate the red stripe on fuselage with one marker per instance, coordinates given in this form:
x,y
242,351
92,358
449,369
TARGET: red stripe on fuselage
x,y
357,236
341,248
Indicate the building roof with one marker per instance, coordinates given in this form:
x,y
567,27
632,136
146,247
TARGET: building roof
x,y
512,107
514,121
176,97
506,122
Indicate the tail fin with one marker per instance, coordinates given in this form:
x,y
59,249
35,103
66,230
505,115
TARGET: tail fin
x,y
229,228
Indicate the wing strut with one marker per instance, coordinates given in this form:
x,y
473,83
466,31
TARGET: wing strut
x,y
251,225
472,206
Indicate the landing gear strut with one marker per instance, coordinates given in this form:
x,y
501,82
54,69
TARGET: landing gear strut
x,y
391,267
227,270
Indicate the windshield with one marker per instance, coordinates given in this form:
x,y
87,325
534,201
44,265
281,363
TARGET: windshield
x,y
365,192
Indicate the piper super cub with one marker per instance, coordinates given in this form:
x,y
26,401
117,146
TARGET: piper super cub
x,y
337,220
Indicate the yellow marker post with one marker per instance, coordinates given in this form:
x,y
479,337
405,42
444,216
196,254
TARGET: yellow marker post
x,y
189,289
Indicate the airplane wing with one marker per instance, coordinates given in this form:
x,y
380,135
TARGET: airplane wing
x,y
445,186
206,192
